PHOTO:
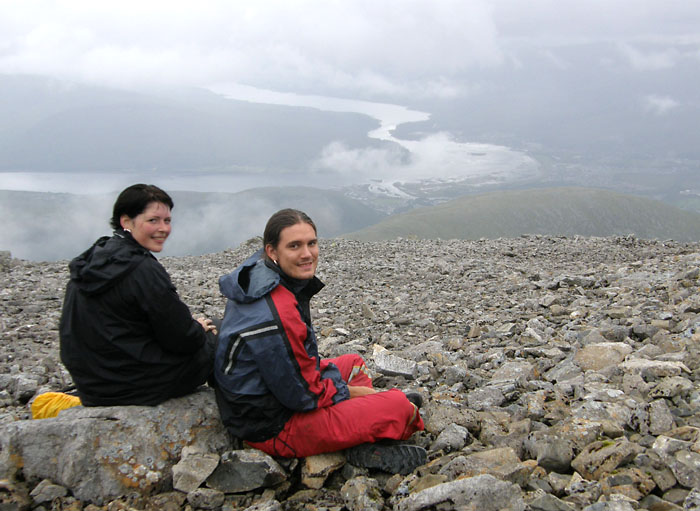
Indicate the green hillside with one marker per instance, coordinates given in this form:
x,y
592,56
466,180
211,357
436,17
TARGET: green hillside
x,y
553,211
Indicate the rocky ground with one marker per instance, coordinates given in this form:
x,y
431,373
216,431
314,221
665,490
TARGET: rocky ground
x,y
558,373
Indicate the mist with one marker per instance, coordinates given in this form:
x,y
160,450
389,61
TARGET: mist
x,y
49,226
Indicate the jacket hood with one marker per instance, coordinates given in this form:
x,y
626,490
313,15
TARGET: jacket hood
x,y
106,261
251,280
255,278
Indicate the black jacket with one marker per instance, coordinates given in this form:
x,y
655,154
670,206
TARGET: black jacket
x,y
126,337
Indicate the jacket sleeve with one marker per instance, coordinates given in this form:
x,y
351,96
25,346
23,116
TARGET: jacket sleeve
x,y
289,371
173,326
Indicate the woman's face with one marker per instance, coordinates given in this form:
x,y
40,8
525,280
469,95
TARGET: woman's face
x,y
297,251
151,227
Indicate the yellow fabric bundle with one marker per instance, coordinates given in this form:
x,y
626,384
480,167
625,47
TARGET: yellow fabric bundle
x,y
48,404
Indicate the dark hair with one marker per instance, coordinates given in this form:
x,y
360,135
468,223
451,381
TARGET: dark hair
x,y
134,200
279,221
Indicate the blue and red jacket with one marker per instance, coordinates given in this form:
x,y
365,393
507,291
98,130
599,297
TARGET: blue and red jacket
x,y
267,364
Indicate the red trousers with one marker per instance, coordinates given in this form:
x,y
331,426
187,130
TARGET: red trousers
x,y
384,415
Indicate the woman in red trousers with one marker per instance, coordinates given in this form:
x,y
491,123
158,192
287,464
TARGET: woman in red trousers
x,y
274,390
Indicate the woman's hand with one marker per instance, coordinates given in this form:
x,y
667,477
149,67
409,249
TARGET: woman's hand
x,y
357,391
208,325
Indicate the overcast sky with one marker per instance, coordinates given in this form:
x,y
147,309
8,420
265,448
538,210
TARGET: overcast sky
x,y
415,53
389,49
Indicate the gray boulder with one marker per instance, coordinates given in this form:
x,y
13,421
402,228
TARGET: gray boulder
x,y
104,452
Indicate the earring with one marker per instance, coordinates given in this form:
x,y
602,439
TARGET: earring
x,y
127,230
275,261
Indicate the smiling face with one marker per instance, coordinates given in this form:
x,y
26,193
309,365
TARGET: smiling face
x,y
297,251
151,227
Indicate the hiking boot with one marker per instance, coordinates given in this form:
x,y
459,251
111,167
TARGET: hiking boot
x,y
395,459
415,398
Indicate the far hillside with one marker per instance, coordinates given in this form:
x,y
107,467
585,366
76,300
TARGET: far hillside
x,y
552,211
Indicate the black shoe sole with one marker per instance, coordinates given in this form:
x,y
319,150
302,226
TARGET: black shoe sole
x,y
395,459
415,398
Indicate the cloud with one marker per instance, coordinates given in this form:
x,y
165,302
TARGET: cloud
x,y
52,226
556,60
659,105
364,46
651,60
437,156
566,22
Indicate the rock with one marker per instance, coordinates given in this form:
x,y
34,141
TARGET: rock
x,y
651,463
671,387
268,505
46,491
660,417
5,398
521,371
548,502
168,501
652,502
502,463
440,414
692,501
600,457
676,495
245,470
362,494
206,498
316,469
630,482
594,357
564,371
5,260
452,438
14,495
387,363
454,374
193,469
652,370
579,432
610,506
485,398
24,387
484,492
581,492
685,466
367,311
552,452
104,452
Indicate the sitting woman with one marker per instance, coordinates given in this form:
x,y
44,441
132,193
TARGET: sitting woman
x,y
126,337
273,389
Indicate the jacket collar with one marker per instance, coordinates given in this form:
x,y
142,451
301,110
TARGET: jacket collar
x,y
256,277
304,288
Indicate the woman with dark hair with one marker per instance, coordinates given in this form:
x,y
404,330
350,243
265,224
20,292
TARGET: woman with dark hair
x,y
126,337
273,389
